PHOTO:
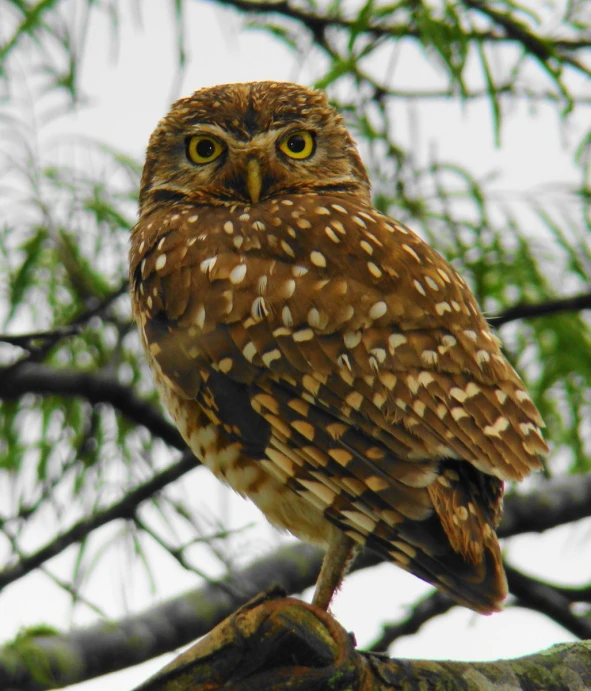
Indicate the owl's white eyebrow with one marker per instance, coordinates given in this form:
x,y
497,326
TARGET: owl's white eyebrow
x,y
269,136
208,128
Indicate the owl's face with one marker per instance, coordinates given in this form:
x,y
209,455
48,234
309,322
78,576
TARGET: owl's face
x,y
245,143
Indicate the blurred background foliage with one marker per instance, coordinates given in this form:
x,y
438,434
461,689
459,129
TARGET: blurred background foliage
x,y
79,424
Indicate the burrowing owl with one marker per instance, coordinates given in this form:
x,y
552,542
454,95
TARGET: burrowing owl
x,y
316,355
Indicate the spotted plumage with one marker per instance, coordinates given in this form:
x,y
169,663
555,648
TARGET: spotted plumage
x,y
316,355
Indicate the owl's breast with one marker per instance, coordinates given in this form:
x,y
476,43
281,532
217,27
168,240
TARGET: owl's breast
x,y
254,478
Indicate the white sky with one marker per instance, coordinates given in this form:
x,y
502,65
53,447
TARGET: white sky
x,y
128,97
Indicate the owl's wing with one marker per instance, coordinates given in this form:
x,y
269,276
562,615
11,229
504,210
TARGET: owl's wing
x,y
352,360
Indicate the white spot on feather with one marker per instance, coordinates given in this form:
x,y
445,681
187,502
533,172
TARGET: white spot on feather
x,y
500,425
271,356
410,250
352,339
378,309
259,309
303,335
419,287
394,341
207,264
249,351
374,269
501,396
314,317
238,273
482,356
286,316
317,258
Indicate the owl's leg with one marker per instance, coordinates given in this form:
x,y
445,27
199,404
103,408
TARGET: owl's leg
x,y
338,558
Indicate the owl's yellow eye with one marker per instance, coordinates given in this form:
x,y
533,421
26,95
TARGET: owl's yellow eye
x,y
203,149
298,145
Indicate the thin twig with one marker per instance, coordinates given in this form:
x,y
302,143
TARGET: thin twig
x,y
31,340
420,613
123,509
542,597
534,45
317,22
555,502
39,352
542,309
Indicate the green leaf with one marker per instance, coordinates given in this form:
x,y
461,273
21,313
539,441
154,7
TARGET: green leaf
x,y
493,94
22,280
282,33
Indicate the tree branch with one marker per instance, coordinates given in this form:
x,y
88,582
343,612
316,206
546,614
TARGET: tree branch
x,y
95,388
542,597
36,338
318,23
125,509
105,648
273,642
98,388
555,502
515,30
420,613
46,340
542,309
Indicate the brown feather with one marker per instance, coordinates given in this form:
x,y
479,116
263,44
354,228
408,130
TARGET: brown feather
x,y
320,357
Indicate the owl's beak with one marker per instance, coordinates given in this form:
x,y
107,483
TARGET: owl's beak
x,y
254,179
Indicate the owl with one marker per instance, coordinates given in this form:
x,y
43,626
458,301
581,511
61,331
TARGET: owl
x,y
318,356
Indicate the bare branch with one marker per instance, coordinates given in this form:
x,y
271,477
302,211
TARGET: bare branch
x,y
582,594
95,388
542,597
542,309
555,502
107,647
35,339
98,307
420,613
124,509
273,642
85,653
38,351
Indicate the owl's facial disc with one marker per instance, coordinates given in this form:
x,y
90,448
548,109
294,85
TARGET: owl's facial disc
x,y
259,179
248,143
279,160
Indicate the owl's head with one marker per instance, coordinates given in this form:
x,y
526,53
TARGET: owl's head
x,y
244,143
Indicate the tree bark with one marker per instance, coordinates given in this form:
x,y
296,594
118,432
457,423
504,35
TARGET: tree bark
x,y
274,642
